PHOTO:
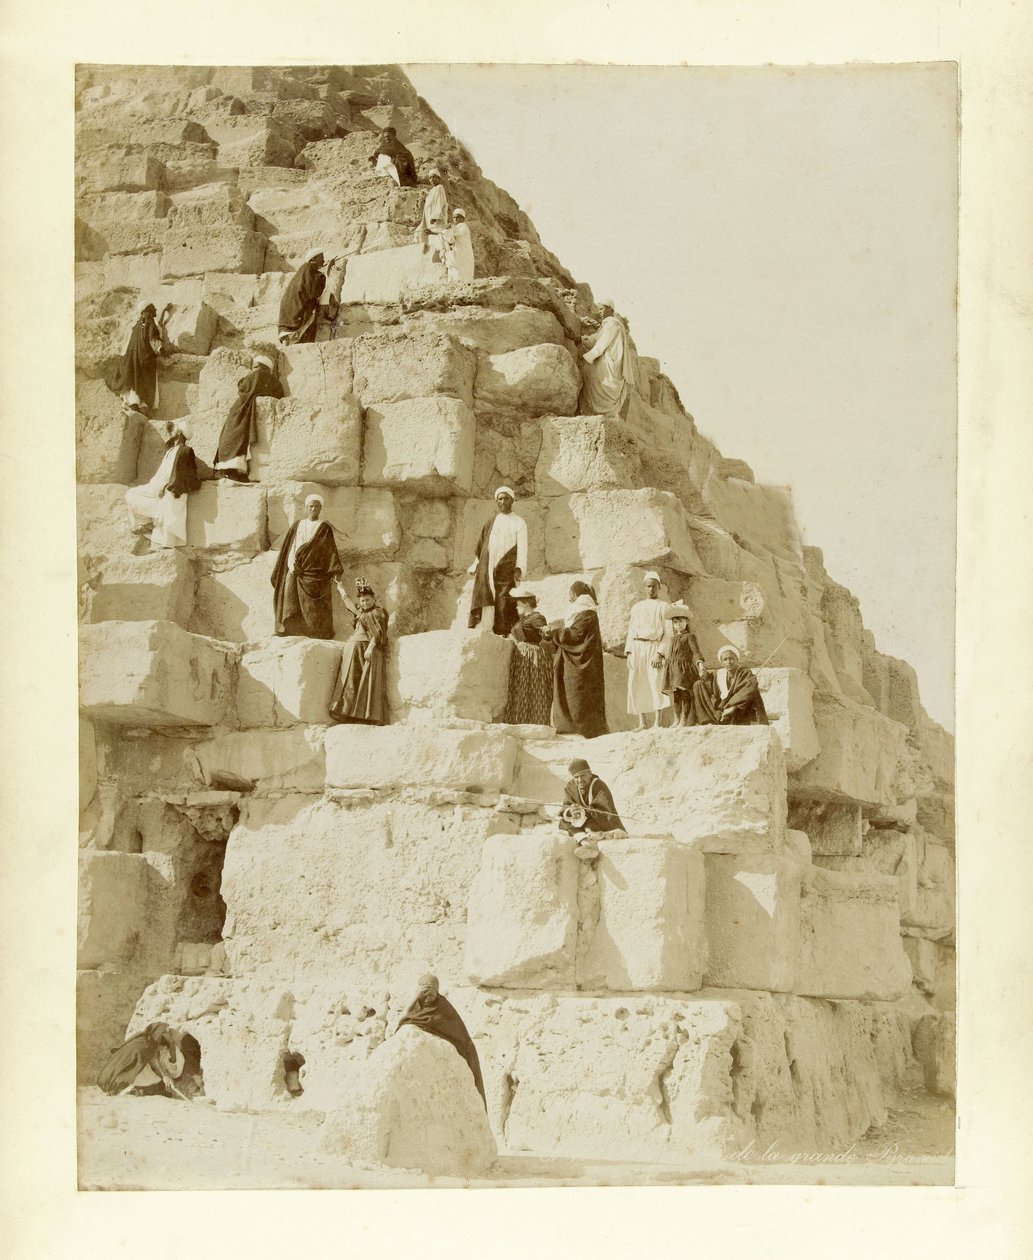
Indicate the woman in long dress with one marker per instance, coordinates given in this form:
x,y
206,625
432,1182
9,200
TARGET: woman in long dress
x,y
530,668
361,691
136,377
163,500
579,695
149,1057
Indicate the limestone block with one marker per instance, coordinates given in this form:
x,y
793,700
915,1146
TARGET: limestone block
x,y
222,369
495,332
425,444
211,205
833,830
104,1002
430,757
424,553
935,900
229,294
533,381
923,955
318,373
107,441
122,207
721,787
114,171
310,442
236,602
798,847
152,673
753,921
935,1044
285,681
87,763
138,236
274,761
896,854
182,174
945,993
191,328
192,250
761,515
192,958
649,929
430,518
414,1105
365,521
892,684
585,453
157,586
788,696
850,937
860,751
522,914
471,517
387,275
112,906
447,674
396,367
222,516
632,527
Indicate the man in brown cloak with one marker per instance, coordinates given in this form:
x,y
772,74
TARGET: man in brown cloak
x,y
435,1014
730,695
303,575
579,691
239,432
299,306
136,377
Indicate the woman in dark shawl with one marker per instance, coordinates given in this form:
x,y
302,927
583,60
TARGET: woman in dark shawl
x,y
579,696
530,667
435,1014
239,432
361,691
307,564
299,305
154,1048
136,377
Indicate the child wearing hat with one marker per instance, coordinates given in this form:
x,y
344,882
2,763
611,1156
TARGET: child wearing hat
x,y
684,666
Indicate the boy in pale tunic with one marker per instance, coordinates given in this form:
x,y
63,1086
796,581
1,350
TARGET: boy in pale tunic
x,y
647,649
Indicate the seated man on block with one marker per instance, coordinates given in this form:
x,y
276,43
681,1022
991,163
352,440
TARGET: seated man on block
x,y
729,695
588,809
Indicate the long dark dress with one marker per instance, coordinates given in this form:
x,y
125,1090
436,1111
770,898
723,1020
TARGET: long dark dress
x,y
682,676
302,599
299,305
238,430
138,368
579,696
530,673
443,1020
743,706
361,691
597,801
130,1059
404,162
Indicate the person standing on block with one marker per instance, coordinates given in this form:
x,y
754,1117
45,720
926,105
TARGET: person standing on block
x,y
608,367
500,561
361,691
162,502
239,431
303,575
435,211
579,690
459,262
647,649
393,159
529,698
136,377
299,306
684,666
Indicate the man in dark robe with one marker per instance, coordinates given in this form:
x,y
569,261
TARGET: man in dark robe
x,y
579,693
586,791
303,576
435,1014
154,1048
400,158
729,696
500,561
685,666
136,377
299,306
239,431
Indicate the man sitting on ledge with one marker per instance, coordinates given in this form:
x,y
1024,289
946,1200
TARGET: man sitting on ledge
x,y
588,809
730,695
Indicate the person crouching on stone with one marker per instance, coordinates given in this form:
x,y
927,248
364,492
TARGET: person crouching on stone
x,y
361,691
145,1059
239,431
435,1014
302,576
299,305
393,159
685,666
499,564
162,502
136,377
530,667
588,810
729,695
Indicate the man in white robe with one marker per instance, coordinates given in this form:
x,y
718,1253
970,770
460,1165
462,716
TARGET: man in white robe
x,y
648,648
435,214
499,564
162,501
609,367
459,262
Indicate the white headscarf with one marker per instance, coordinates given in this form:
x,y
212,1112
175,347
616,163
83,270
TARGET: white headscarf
x,y
726,649
506,490
263,358
583,603
313,253
185,427
314,498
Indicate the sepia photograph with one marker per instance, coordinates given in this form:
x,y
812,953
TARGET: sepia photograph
x,y
515,533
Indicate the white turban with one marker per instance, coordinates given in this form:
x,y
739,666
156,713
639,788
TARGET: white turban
x,y
724,651
652,576
314,498
263,358
459,214
313,253
505,490
185,427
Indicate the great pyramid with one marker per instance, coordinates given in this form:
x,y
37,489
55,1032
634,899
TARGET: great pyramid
x,y
768,956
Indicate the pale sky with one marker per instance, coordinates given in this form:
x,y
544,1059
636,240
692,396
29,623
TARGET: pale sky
x,y
785,243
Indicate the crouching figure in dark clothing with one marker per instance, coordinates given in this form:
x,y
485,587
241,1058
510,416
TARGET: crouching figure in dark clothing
x,y
588,810
435,1014
730,695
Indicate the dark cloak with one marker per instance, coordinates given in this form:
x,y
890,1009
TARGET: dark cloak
x,y
239,429
129,1060
405,163
184,478
300,301
579,696
443,1020
138,367
743,706
361,691
598,804
681,666
505,580
302,599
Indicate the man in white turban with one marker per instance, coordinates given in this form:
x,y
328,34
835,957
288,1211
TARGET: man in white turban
x,y
162,502
459,262
435,211
648,649
609,367
500,561
729,695
303,575
240,428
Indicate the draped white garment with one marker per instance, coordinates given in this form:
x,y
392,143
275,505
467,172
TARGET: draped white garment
x,y
649,632
508,531
169,514
609,368
459,261
303,534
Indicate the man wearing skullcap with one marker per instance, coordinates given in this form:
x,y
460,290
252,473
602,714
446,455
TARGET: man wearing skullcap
x,y
136,377
239,431
303,575
586,793
647,649
163,500
500,561
608,367
459,261
435,1014
299,305
729,695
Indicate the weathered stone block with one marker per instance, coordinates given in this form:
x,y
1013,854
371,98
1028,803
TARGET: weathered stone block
x,y
152,673
112,906
850,937
833,830
533,381
935,899
236,603
753,922
254,140
286,681
425,444
309,442
274,761
112,171
788,696
104,1002
386,275
397,367
638,527
374,757
318,373
585,453
226,517
211,205
192,327
158,586
122,207
923,955
87,763
649,929
447,674
935,1044
365,520
860,751
191,251
522,914
107,441
222,369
